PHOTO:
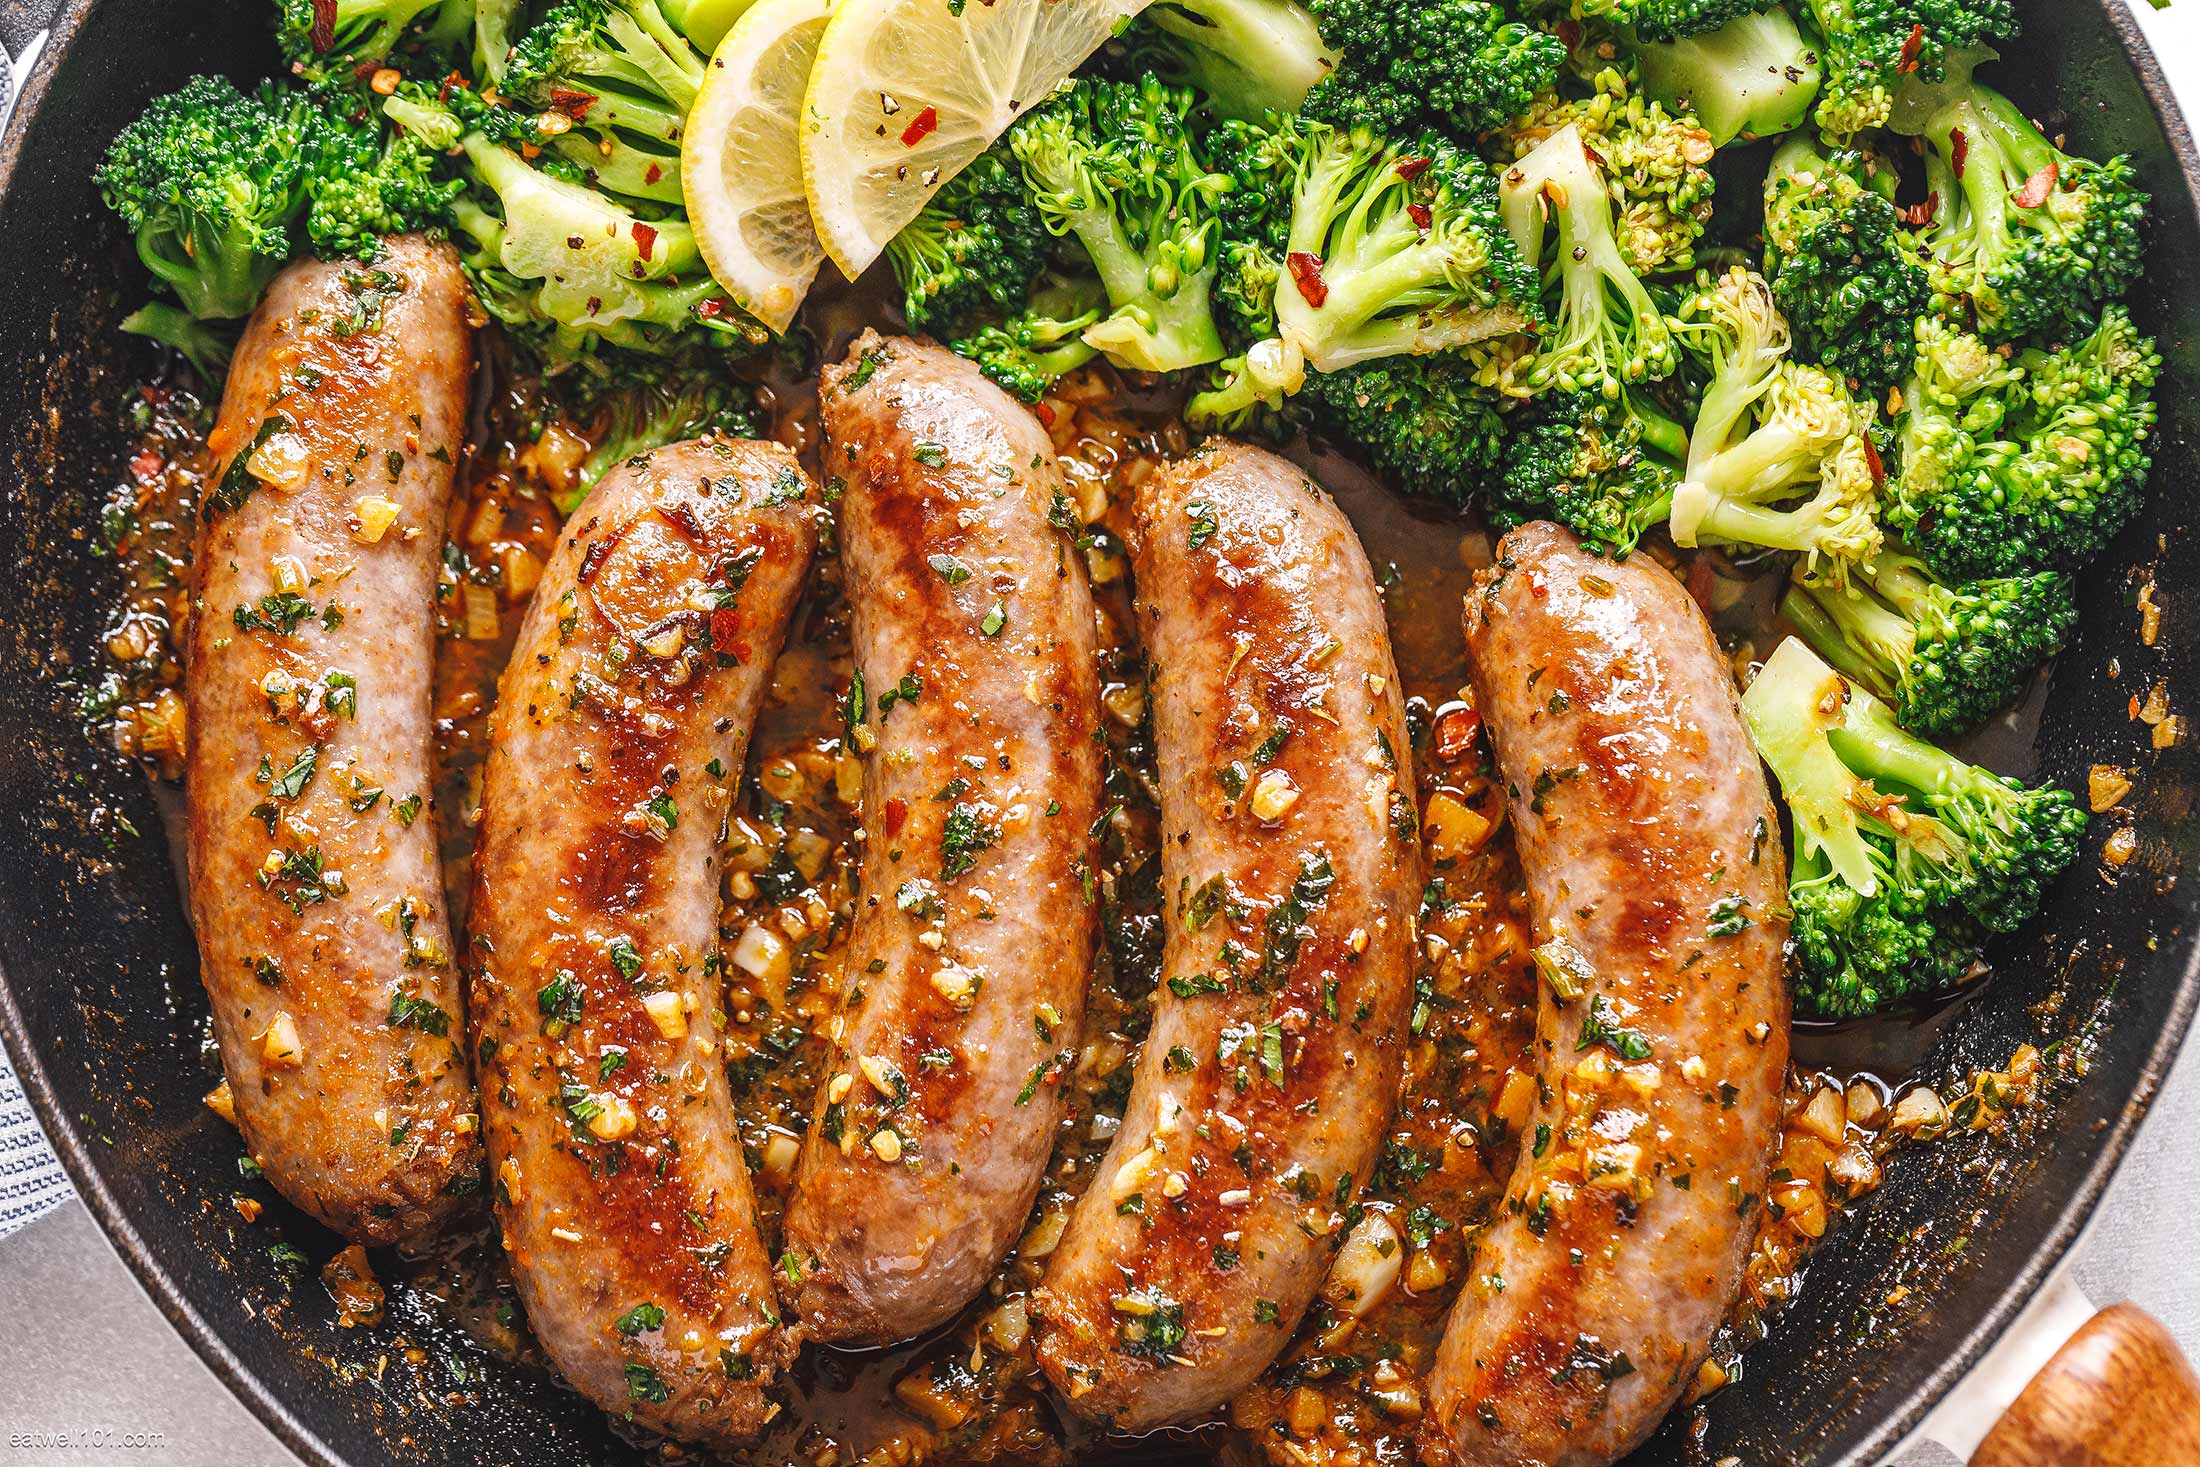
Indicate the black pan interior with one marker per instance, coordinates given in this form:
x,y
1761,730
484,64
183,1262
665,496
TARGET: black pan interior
x,y
101,1004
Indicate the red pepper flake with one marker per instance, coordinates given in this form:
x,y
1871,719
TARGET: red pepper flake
x,y
2037,187
1410,168
1912,44
1917,216
1879,468
656,171
1420,216
573,104
897,815
1306,274
920,127
146,466
324,27
645,239
1044,412
1456,732
711,309
1959,149
725,626
443,93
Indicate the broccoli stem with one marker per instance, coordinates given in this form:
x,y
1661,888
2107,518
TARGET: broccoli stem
x,y
1754,77
1843,625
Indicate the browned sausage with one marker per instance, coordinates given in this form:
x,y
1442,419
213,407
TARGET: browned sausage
x,y
323,941
595,982
1292,866
976,710
1658,887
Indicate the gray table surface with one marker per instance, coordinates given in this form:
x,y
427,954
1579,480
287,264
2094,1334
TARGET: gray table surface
x,y
89,1366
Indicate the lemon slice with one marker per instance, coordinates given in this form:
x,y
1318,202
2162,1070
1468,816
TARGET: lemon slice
x,y
906,92
740,165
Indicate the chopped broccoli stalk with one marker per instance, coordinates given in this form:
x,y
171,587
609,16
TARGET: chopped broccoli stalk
x,y
205,346
625,77
1244,389
1246,58
705,22
1460,67
1114,164
1904,855
974,247
1606,331
1753,77
1396,249
1424,422
1035,346
2028,461
1654,165
1947,657
2026,238
335,40
1843,269
1605,469
653,406
1767,430
209,181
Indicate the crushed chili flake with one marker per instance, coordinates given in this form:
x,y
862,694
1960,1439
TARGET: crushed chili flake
x,y
443,93
1456,732
1420,215
573,104
711,309
2037,187
1306,274
1912,44
656,171
1959,148
725,626
1879,467
897,815
920,127
1411,168
1919,215
645,239
1044,411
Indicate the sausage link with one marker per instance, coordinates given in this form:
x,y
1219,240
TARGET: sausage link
x,y
1291,868
323,940
977,708
620,727
1658,885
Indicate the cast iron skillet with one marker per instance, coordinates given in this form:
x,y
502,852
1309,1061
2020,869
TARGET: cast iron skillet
x,y
102,1010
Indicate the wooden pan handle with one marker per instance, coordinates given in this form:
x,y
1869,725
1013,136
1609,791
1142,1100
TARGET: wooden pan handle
x,y
2119,1393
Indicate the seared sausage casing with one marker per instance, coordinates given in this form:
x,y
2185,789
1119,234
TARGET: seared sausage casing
x,y
323,940
1290,867
1657,883
595,982
976,711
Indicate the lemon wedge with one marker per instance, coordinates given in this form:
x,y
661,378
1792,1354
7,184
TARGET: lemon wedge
x,y
904,93
740,165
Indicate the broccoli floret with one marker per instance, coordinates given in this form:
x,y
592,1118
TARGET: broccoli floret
x,y
1654,166
624,77
1903,854
1947,657
974,247
1036,345
1844,270
1424,422
1396,249
1606,332
205,346
2024,462
564,266
1604,468
2027,237
369,180
1874,49
1753,77
209,181
1114,164
1666,20
1769,429
1456,66
1245,58
337,40
653,405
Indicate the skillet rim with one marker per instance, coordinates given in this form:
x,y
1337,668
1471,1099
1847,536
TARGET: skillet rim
x,y
1895,1429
